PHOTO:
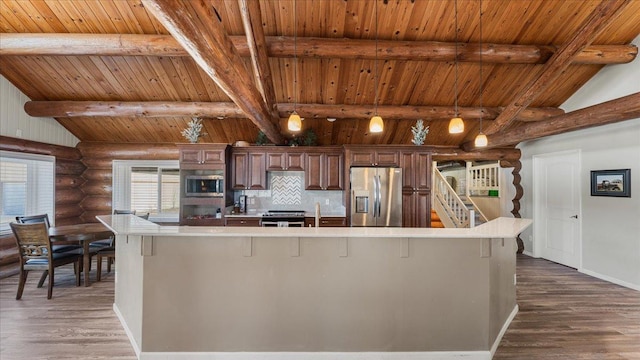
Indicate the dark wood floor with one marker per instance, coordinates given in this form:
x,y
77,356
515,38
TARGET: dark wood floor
x,y
563,315
77,323
568,315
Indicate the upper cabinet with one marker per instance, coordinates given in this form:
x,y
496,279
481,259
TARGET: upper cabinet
x,y
202,155
416,170
281,160
248,170
370,156
324,170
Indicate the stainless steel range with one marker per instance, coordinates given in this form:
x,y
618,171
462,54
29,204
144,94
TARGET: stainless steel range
x,y
283,218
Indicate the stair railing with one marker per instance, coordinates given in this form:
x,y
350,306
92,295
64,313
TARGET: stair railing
x,y
454,207
482,178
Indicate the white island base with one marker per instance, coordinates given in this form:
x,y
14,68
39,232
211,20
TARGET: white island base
x,y
314,293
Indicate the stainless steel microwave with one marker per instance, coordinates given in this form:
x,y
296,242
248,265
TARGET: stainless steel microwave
x,y
204,185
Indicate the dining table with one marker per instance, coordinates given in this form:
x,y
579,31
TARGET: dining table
x,y
84,234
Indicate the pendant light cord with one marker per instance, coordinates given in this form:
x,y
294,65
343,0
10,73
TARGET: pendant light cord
x,y
295,55
376,61
455,60
481,78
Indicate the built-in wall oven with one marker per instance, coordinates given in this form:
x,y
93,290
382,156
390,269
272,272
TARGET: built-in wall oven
x,y
283,218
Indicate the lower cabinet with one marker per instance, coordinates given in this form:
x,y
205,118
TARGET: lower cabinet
x,y
240,221
326,222
416,209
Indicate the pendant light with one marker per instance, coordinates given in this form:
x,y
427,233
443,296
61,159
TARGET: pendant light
x,y
295,122
481,139
376,125
456,125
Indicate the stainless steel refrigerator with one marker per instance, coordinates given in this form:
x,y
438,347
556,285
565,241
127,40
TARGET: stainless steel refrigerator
x,y
376,196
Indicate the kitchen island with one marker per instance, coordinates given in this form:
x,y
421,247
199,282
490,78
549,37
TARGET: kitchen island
x,y
314,293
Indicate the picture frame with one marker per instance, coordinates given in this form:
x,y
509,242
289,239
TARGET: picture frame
x,y
616,183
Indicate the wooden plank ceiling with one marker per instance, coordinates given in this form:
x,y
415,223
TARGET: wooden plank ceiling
x,y
138,70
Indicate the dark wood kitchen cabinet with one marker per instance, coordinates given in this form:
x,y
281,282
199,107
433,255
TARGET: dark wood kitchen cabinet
x,y
278,160
416,209
324,170
202,156
416,188
248,170
371,156
330,221
203,160
416,170
243,221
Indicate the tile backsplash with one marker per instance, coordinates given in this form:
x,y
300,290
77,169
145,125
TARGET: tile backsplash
x,y
286,192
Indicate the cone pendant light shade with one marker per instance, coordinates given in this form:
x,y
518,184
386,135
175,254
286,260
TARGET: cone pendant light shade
x,y
456,126
294,123
481,140
376,125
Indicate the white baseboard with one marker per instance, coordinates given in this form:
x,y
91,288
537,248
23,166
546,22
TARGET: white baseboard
x,y
505,326
610,279
435,355
136,348
528,253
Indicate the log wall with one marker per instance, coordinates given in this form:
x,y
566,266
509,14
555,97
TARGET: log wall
x,y
68,194
97,157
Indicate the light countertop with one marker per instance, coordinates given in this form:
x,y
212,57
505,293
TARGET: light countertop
x,y
132,225
259,213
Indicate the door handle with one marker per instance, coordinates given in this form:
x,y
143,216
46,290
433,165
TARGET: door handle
x,y
574,217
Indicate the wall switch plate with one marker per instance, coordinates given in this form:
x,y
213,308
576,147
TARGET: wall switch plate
x,y
326,202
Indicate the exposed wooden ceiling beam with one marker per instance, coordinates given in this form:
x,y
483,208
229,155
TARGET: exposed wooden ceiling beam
x,y
59,109
196,27
442,153
624,108
282,47
601,17
252,21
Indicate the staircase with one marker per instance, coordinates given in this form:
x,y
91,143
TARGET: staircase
x,y
436,222
477,214
457,211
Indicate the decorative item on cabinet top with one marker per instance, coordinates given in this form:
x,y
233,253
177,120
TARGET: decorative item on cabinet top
x,y
192,131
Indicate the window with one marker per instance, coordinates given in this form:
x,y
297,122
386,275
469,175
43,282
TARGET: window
x,y
147,187
27,186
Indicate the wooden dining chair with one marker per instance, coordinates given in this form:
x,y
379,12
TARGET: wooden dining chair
x,y
32,219
56,248
34,249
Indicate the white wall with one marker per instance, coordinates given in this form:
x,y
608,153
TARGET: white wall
x,y
610,226
14,122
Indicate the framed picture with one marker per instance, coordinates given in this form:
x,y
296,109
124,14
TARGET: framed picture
x,y
611,183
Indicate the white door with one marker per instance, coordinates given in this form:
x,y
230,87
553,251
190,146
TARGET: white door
x,y
557,207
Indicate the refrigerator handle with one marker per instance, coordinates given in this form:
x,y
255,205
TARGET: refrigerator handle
x,y
379,196
376,196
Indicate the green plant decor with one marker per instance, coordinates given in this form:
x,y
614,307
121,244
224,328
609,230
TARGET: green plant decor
x,y
262,138
310,138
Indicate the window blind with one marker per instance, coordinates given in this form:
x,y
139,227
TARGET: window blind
x,y
27,186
